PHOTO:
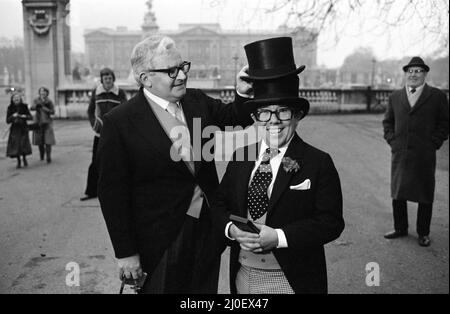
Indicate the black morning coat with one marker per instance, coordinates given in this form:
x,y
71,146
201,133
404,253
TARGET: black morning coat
x,y
414,134
144,194
309,218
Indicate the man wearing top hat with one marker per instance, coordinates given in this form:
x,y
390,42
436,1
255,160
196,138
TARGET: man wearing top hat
x,y
415,126
291,191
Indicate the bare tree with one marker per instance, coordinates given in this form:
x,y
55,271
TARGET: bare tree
x,y
379,17
425,19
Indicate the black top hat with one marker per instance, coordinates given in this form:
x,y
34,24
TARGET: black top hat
x,y
416,62
271,58
274,74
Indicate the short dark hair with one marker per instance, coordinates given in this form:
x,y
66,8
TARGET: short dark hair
x,y
107,71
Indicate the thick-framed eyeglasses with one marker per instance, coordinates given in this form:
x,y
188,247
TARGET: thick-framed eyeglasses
x,y
282,114
411,71
173,71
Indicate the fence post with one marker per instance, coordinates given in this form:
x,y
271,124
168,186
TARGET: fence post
x,y
339,99
369,98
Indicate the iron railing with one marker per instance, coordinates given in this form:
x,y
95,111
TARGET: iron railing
x,y
72,102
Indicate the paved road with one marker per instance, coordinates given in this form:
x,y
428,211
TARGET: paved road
x,y
44,226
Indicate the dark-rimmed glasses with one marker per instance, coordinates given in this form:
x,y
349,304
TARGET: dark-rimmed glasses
x,y
282,114
173,71
411,71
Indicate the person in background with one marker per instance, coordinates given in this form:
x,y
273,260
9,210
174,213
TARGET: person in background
x,y
18,141
415,126
105,97
44,136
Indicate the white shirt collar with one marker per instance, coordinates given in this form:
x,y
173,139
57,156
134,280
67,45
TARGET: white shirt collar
x,y
101,89
264,146
158,100
418,88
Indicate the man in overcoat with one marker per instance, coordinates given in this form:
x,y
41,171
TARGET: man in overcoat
x,y
288,188
416,124
155,183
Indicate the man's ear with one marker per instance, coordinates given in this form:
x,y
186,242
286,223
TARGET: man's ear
x,y
145,79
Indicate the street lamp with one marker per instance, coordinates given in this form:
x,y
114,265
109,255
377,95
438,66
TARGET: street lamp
x,y
235,58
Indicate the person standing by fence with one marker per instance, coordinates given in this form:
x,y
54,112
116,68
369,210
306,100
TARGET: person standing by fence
x,y
416,124
105,97
44,136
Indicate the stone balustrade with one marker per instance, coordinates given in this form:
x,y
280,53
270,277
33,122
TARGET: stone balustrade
x,y
72,101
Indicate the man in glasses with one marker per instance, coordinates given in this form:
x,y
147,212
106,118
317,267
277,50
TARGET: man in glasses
x,y
292,192
416,124
154,188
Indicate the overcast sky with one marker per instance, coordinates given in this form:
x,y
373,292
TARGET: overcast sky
x,y
231,14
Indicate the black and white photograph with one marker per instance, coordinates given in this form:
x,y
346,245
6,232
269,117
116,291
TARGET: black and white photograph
x,y
224,153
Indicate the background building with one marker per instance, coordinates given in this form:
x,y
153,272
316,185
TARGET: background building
x,y
216,54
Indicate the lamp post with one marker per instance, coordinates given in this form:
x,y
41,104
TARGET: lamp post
x,y
374,61
370,88
235,58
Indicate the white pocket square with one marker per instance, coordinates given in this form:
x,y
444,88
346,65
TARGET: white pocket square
x,y
305,185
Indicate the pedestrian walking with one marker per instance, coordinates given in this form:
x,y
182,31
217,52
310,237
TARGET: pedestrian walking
x,y
18,141
43,135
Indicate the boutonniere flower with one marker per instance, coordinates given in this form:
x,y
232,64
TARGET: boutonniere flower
x,y
290,164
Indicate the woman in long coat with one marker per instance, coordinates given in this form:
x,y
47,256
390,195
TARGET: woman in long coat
x,y
44,136
18,140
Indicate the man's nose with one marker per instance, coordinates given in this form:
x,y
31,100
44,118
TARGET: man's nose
x,y
274,118
181,75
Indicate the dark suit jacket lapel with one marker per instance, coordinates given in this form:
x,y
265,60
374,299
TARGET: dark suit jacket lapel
x,y
404,100
147,124
295,152
243,178
422,99
144,119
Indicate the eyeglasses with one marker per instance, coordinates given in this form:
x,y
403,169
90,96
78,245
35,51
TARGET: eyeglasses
x,y
264,115
411,71
173,71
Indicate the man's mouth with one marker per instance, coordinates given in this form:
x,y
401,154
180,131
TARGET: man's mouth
x,y
274,131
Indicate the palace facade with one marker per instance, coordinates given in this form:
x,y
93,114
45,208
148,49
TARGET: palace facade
x,y
216,54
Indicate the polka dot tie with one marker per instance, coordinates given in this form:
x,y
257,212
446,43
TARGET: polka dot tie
x,y
257,198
